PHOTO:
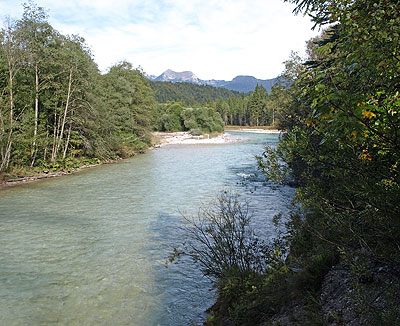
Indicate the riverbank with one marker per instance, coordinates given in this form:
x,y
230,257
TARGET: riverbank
x,y
185,138
26,175
13,180
160,139
258,130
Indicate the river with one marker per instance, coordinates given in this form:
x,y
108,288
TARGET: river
x,y
90,248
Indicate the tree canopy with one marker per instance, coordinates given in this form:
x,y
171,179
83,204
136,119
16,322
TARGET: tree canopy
x,y
55,106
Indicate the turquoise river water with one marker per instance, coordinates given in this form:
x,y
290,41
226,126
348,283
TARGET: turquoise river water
x,y
90,248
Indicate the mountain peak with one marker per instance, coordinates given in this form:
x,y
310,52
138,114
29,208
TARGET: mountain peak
x,y
240,83
173,76
244,77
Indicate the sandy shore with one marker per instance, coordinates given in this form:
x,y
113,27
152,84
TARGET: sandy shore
x,y
185,138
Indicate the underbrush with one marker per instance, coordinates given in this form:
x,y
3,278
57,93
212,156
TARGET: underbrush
x,y
67,165
255,280
283,282
120,150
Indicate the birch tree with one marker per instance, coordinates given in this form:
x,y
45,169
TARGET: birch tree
x,y
36,34
11,58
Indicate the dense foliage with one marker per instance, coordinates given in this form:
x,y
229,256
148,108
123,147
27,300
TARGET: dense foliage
x,y
188,93
199,120
256,108
55,106
344,149
341,113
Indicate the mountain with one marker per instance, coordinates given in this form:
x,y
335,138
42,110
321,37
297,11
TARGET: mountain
x,y
174,77
243,84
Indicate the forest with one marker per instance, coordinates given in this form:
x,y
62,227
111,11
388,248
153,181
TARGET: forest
x,y
257,108
188,93
58,111
55,106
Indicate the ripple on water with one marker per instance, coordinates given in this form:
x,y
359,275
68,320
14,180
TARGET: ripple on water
x,y
90,248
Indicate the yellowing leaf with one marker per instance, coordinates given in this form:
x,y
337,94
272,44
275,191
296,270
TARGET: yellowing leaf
x,y
368,114
353,135
365,156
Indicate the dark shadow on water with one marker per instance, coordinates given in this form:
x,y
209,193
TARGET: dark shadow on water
x,y
186,292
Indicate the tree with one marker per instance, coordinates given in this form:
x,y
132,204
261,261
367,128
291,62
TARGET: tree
x,y
75,73
56,107
130,103
35,34
344,149
278,101
284,99
11,57
259,115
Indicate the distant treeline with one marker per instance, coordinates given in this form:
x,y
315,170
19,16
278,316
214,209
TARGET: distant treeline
x,y
189,94
254,109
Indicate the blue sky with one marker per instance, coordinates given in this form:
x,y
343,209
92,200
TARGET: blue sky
x,y
214,39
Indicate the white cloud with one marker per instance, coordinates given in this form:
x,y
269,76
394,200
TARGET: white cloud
x,y
214,39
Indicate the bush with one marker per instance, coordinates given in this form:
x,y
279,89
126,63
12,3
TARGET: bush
x,y
176,118
221,240
195,132
171,122
248,273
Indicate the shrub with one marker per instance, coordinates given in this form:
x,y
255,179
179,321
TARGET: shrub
x,y
221,240
249,274
195,132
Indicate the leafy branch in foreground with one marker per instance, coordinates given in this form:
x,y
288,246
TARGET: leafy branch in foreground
x,y
220,238
243,268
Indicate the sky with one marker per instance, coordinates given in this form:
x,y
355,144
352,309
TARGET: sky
x,y
215,39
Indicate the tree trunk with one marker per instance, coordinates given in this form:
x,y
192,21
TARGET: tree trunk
x,y
33,152
53,149
3,132
67,142
6,159
65,114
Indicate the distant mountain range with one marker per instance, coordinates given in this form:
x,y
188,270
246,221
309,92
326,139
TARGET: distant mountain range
x,y
243,84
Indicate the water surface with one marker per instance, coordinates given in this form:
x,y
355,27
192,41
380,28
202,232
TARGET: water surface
x,y
90,248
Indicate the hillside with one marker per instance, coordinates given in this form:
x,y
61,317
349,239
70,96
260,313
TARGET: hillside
x,y
188,93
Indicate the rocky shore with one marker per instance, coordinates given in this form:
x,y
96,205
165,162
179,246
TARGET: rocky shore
x,y
185,138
